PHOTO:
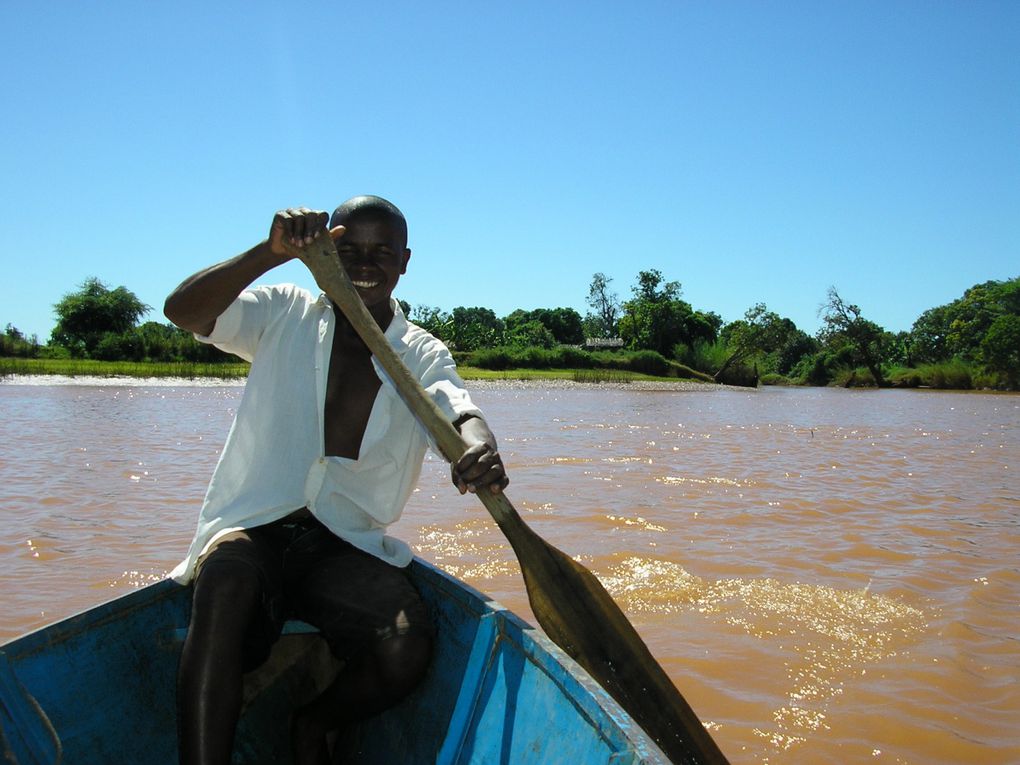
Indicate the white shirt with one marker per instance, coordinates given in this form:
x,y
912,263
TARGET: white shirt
x,y
274,460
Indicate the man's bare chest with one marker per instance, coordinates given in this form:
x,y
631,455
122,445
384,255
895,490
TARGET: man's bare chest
x,y
351,389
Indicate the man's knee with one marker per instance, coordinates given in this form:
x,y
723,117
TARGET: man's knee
x,y
403,661
226,584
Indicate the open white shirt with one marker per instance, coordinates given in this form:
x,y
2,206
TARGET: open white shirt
x,y
274,461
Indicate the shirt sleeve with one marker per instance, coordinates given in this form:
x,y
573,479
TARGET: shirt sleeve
x,y
444,386
239,328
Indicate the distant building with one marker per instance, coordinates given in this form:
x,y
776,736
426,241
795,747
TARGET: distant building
x,y
599,343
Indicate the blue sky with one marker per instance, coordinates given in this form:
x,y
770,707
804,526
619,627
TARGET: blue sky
x,y
752,151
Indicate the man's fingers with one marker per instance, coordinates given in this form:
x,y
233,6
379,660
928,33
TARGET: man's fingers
x,y
299,226
479,467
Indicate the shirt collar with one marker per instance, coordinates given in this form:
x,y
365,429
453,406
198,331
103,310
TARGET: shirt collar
x,y
395,332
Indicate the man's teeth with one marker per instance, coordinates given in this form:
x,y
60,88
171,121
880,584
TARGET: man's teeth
x,y
363,284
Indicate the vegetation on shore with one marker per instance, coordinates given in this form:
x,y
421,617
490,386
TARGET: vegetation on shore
x,y
100,368
971,343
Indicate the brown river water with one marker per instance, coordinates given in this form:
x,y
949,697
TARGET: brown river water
x,y
829,576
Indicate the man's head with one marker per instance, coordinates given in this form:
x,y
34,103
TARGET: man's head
x,y
373,249
368,207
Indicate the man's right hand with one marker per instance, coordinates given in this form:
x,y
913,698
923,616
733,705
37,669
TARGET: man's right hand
x,y
295,228
200,299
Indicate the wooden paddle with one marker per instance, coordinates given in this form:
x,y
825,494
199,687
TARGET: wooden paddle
x,y
571,606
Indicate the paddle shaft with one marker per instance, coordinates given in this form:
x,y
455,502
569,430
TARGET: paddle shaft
x,y
570,604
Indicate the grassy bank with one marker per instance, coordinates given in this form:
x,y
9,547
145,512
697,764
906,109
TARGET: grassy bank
x,y
594,376
93,368
233,371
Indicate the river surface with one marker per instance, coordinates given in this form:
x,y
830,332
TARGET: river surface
x,y
829,576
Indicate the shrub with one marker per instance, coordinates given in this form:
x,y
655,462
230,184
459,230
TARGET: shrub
x,y
951,375
903,377
649,363
574,358
490,358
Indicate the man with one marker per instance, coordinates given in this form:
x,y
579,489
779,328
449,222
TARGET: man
x,y
321,458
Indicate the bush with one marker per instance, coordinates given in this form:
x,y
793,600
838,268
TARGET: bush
x,y
858,377
951,375
490,358
740,374
574,358
570,357
904,377
649,363
707,357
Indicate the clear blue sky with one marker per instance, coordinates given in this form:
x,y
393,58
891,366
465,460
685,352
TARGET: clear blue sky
x,y
752,151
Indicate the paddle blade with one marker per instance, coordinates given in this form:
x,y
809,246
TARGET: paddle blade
x,y
576,612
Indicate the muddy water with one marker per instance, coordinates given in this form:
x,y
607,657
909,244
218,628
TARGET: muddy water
x,y
828,576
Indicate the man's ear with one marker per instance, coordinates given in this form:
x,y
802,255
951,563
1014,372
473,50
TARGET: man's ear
x,y
407,257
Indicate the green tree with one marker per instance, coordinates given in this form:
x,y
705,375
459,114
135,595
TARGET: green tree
x,y
1000,348
14,343
657,319
86,316
563,324
433,320
795,345
474,328
761,331
956,330
529,334
605,305
845,326
929,336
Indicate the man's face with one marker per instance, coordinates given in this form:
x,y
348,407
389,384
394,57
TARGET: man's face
x,y
374,253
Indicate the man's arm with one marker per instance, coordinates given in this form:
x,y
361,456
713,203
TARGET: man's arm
x,y
200,299
480,466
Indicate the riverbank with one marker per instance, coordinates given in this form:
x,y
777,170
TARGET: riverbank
x,y
136,369
82,371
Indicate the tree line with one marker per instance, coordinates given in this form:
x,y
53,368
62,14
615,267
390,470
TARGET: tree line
x,y
972,342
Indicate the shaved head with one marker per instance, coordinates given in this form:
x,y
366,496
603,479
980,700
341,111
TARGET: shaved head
x,y
369,208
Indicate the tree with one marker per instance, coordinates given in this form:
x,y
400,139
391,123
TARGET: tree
x,y
957,329
1000,348
84,317
928,336
433,320
14,343
563,324
844,325
529,334
474,328
657,319
605,306
760,331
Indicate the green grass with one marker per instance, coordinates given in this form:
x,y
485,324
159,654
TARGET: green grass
x,y
93,368
228,371
594,376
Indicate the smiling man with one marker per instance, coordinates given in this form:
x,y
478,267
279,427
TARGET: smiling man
x,y
320,460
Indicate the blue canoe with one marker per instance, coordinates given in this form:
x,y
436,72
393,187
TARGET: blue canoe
x,y
99,688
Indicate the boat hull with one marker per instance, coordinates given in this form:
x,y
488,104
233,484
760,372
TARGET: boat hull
x,y
100,688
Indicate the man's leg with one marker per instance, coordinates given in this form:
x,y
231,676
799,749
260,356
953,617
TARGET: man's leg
x,y
369,684
375,620
228,635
